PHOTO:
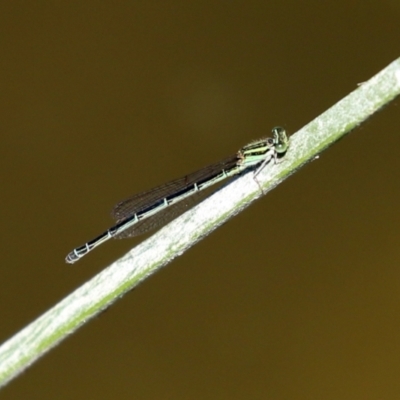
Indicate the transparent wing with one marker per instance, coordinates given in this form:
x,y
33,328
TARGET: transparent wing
x,y
136,203
163,217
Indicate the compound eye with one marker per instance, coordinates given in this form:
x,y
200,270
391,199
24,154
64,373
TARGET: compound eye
x,y
280,148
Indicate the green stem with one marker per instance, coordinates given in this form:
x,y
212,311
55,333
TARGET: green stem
x,y
45,332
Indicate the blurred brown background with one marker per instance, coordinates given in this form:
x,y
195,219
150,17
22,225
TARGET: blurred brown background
x,y
297,297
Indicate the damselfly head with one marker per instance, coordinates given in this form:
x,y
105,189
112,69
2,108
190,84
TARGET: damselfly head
x,y
280,140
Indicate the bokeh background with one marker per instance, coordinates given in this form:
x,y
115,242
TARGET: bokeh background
x,y
297,297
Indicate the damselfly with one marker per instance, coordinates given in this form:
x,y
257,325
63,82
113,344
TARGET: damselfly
x,y
152,208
